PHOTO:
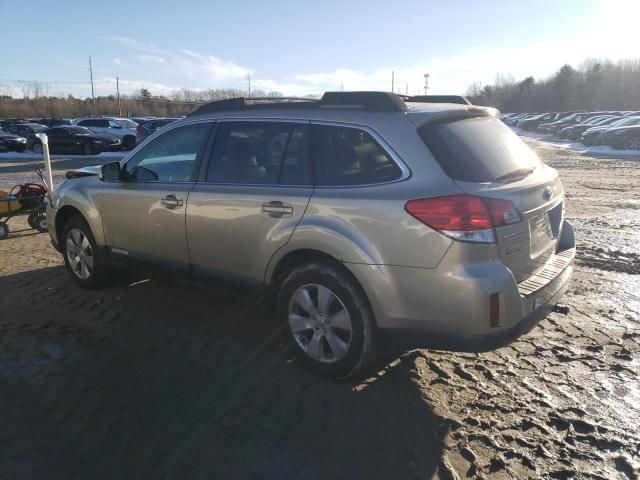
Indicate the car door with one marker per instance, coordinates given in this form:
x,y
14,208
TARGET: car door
x,y
253,194
144,214
59,140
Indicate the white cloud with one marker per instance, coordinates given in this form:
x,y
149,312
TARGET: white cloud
x,y
451,75
150,58
189,66
117,61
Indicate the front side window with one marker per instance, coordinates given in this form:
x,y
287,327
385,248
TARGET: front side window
x,y
57,132
172,157
350,156
261,153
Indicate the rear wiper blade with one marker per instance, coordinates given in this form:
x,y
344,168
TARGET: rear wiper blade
x,y
520,172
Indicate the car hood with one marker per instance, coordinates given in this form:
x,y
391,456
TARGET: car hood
x,y
597,129
83,172
10,136
622,129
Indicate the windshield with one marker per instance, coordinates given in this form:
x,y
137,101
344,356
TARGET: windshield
x,y
38,128
126,123
480,149
79,130
626,121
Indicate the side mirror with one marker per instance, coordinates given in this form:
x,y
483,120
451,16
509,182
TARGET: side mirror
x,y
110,172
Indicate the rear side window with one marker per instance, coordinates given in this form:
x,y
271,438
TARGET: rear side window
x,y
479,149
260,153
350,156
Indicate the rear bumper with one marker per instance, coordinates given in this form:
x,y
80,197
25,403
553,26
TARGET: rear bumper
x,y
411,338
450,307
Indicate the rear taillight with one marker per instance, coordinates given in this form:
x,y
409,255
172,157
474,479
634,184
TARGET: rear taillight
x,y
465,217
138,130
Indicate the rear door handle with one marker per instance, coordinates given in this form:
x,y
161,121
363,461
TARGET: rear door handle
x,y
277,208
171,202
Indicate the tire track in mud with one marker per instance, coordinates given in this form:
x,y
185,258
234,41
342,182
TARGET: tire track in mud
x,y
159,381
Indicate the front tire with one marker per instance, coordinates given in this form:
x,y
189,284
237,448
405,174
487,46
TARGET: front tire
x,y
633,144
85,262
129,142
37,148
87,149
4,230
328,319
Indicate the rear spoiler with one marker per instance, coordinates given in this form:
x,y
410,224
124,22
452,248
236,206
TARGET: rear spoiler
x,y
458,114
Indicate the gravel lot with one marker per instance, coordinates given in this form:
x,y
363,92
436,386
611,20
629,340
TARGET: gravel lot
x,y
149,379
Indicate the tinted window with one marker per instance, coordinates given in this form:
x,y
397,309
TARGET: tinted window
x,y
350,156
94,123
79,130
479,149
126,123
259,153
170,157
57,132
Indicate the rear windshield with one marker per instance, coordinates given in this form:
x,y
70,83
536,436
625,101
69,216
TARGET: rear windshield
x,y
479,149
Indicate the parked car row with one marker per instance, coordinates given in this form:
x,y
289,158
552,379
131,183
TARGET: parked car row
x,y
85,135
618,129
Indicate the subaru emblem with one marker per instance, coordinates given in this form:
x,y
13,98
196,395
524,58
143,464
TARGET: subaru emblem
x,y
547,192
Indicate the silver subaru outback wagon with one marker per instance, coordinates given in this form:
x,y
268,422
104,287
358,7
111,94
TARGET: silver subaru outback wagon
x,y
366,213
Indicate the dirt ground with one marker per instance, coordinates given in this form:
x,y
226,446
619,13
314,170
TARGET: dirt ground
x,y
149,379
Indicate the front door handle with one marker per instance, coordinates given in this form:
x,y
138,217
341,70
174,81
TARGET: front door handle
x,y
277,208
171,202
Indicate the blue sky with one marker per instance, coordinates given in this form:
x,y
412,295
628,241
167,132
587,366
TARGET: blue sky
x,y
302,47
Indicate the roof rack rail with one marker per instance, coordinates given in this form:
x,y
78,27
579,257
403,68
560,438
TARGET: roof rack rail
x,y
438,99
370,101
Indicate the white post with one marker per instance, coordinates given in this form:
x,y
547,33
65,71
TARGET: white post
x,y
47,160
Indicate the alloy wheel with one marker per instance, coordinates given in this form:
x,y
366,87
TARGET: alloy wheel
x,y
320,323
79,253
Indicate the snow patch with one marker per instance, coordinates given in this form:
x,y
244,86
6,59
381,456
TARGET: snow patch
x,y
601,151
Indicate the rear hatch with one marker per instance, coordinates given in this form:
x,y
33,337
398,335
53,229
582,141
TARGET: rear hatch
x,y
486,159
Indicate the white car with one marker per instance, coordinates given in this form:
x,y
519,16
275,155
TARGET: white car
x,y
122,128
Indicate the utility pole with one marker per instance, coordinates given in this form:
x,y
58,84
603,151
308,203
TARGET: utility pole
x,y
406,89
249,82
393,77
426,83
118,90
93,97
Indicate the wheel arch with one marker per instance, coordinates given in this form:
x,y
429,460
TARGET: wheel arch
x,y
63,216
298,257
77,201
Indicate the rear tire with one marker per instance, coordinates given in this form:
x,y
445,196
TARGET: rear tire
x,y
327,319
4,230
86,263
39,222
